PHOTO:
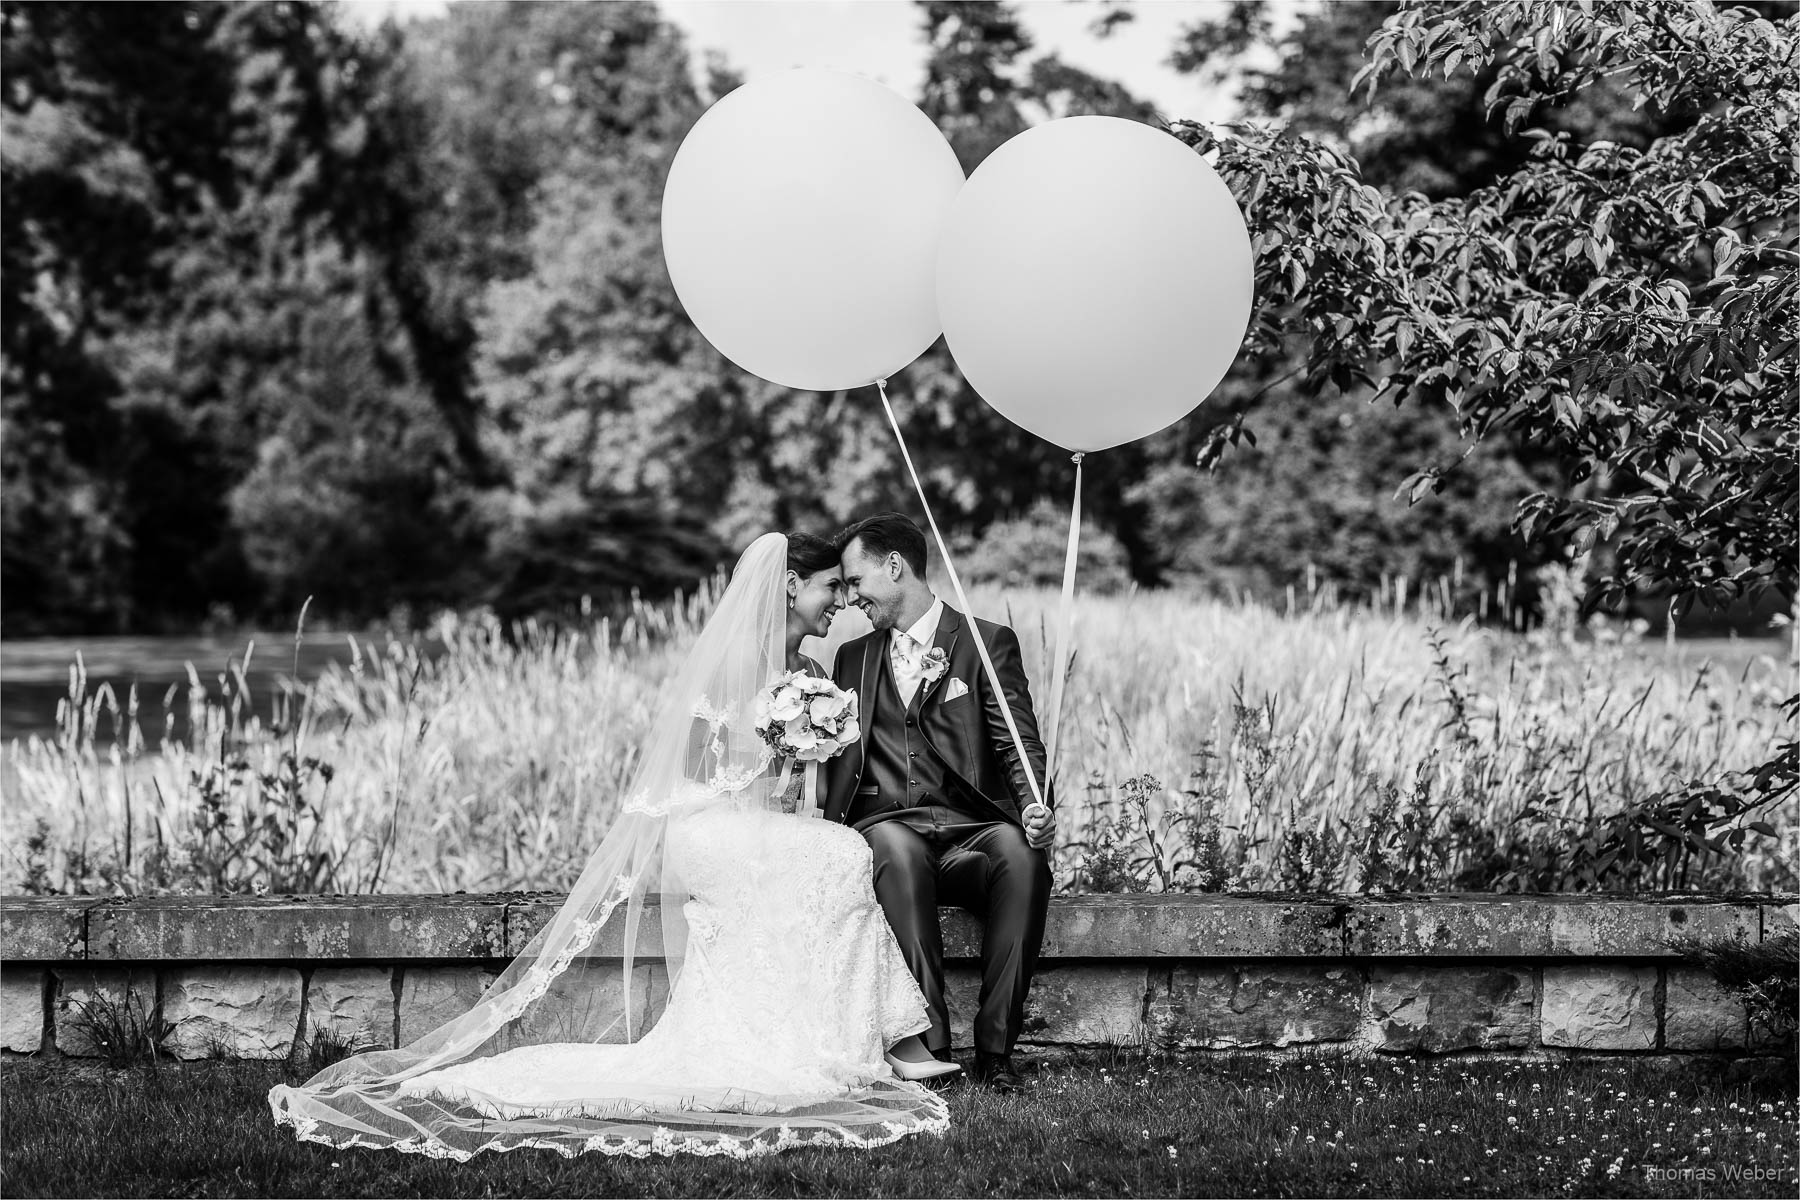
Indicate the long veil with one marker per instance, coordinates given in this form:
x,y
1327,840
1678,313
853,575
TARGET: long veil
x,y
603,969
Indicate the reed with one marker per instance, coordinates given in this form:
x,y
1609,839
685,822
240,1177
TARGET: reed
x,y
1276,738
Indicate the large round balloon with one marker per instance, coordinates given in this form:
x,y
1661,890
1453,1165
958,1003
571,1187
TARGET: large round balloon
x,y
1094,280
800,225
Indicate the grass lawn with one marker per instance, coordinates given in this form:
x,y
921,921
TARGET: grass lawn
x,y
1108,1125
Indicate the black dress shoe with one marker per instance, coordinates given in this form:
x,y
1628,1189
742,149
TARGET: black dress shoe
x,y
942,1054
997,1073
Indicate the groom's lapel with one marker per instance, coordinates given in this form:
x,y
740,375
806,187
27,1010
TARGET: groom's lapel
x,y
949,626
871,681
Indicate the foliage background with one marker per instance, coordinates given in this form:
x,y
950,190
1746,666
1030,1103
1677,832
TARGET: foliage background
x,y
292,308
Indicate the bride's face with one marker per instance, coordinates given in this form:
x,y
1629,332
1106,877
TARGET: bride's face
x,y
818,598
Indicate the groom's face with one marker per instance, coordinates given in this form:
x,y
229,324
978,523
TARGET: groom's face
x,y
869,584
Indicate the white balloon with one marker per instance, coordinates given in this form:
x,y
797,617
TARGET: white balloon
x,y
1094,280
800,224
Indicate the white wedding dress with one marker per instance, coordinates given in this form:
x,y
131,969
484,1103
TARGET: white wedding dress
x,y
765,1014
720,980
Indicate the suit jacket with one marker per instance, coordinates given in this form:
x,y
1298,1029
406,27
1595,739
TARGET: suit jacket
x,y
968,733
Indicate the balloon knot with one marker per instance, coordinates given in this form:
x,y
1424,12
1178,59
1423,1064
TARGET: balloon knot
x,y
1077,457
882,384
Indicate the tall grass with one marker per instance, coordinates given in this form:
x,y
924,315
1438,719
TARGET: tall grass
x,y
1207,744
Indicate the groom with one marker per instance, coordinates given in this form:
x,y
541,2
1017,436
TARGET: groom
x,y
936,785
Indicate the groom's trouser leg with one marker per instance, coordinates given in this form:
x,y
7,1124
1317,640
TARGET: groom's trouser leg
x,y
996,873
907,888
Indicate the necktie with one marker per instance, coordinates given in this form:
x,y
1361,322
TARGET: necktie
x,y
906,665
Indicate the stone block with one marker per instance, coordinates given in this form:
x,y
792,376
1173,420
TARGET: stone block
x,y
962,992
527,917
97,1004
1087,1006
1699,1014
430,996
232,1012
1069,1006
1177,925
22,1009
1599,1007
1438,1009
1415,926
1221,1007
232,928
351,1003
44,928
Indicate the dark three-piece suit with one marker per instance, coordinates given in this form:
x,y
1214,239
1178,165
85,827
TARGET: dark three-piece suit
x,y
937,788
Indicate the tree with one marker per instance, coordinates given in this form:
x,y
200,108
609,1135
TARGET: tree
x,y
211,301
1427,133
1632,309
1629,312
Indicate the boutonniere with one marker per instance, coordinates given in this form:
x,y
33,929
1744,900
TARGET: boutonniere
x,y
934,664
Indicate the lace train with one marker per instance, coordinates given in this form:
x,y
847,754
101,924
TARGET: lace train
x,y
791,989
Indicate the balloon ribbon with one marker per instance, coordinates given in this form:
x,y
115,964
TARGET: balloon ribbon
x,y
1065,628
809,807
987,663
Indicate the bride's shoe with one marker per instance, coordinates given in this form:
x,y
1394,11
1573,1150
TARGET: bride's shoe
x,y
919,1071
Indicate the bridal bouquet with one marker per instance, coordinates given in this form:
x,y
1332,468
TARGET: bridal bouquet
x,y
807,718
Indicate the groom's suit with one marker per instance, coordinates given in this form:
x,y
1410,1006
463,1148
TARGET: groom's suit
x,y
936,786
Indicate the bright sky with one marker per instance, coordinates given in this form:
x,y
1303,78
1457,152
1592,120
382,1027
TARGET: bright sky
x,y
884,40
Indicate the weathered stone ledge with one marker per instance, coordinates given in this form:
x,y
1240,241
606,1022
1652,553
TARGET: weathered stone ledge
x,y
1261,925
1427,974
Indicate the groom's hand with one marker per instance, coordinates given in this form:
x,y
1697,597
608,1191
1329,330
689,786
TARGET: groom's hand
x,y
1040,825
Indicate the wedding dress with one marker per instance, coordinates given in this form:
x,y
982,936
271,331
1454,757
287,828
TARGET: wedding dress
x,y
749,1014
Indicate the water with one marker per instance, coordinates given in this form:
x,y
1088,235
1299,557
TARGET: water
x,y
34,674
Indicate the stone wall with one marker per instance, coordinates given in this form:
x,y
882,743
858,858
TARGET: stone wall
x,y
1427,974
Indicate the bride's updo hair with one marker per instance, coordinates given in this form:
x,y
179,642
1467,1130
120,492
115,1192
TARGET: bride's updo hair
x,y
808,554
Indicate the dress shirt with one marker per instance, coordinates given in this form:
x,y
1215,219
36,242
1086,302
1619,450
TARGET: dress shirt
x,y
907,648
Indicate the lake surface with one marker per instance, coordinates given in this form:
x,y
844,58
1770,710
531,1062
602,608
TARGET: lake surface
x,y
34,673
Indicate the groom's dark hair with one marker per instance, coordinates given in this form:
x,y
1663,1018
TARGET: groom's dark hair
x,y
808,554
889,533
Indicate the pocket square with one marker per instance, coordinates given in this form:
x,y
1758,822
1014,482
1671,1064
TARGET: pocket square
x,y
955,688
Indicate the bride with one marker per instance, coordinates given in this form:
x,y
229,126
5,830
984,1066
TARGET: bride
x,y
720,980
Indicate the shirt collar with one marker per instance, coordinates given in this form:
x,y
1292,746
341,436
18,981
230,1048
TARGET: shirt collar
x,y
924,630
